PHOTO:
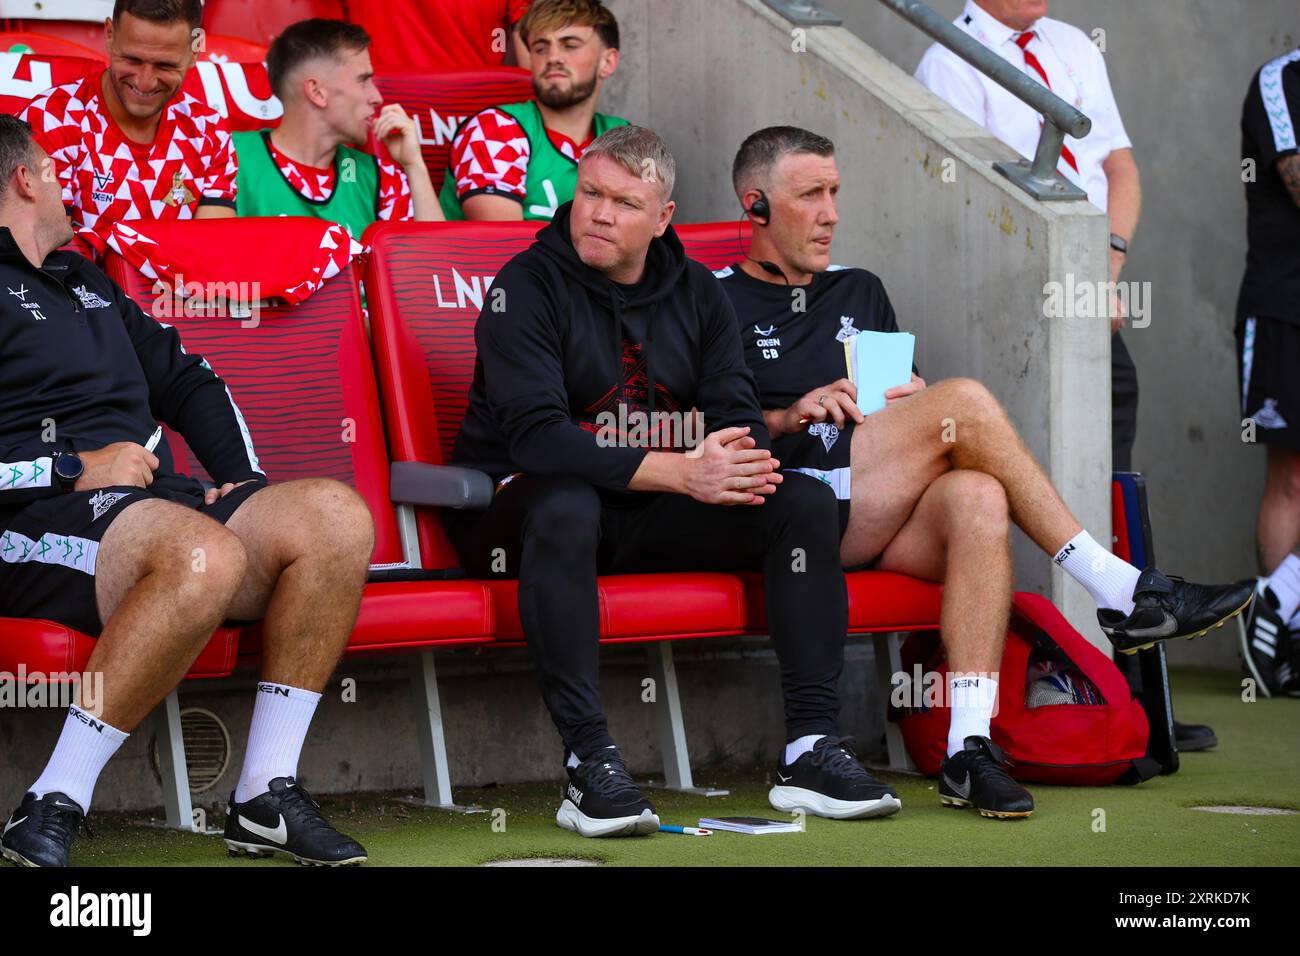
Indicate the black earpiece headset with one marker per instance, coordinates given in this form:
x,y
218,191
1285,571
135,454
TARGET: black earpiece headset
x,y
761,212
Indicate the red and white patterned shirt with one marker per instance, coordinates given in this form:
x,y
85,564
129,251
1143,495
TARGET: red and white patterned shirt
x,y
317,184
108,178
490,153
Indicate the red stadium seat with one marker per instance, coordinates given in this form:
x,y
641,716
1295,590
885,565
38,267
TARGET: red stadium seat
x,y
86,33
440,102
221,49
238,90
260,21
53,648
17,41
716,244
304,380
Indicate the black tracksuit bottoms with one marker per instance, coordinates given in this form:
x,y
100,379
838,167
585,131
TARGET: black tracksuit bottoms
x,y
557,533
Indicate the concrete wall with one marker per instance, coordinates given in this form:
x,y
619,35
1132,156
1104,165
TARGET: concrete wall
x,y
964,261
1180,70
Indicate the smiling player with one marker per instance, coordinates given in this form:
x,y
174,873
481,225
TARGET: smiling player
x,y
125,142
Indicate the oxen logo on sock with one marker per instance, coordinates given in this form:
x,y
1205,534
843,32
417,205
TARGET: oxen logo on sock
x,y
86,719
1065,553
102,501
827,432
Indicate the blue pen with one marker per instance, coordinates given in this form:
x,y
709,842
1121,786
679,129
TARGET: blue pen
x,y
688,831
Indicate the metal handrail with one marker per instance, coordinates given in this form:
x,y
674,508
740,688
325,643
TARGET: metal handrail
x,y
1039,178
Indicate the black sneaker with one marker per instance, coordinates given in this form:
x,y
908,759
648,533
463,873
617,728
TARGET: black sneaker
x,y
829,782
1265,643
288,820
40,832
1192,737
976,777
1169,607
601,800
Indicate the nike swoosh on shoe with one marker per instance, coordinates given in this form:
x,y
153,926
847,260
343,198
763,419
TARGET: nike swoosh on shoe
x,y
962,790
279,835
1166,628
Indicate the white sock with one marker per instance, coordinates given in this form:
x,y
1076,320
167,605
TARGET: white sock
x,y
797,748
972,700
1285,584
281,716
1108,579
83,748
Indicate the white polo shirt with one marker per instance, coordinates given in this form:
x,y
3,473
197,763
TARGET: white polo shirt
x,y
1076,69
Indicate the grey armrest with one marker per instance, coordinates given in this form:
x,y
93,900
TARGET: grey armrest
x,y
418,483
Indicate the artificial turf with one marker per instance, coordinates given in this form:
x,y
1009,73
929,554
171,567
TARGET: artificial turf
x,y
1257,763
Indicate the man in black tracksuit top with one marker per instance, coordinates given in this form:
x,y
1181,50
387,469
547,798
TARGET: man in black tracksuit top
x,y
99,534
606,340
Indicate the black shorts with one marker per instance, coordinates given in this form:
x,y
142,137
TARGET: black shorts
x,y
822,451
49,550
1268,370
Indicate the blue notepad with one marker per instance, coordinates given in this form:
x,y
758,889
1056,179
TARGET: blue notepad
x,y
878,361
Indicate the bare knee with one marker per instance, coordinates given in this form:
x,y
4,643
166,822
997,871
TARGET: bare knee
x,y
336,520
973,399
198,562
977,504
206,566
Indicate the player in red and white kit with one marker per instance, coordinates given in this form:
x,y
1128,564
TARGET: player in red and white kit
x,y
126,142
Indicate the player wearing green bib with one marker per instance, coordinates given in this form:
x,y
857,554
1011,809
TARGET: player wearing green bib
x,y
520,160
320,70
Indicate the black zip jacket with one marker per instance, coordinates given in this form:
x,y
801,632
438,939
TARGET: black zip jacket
x,y
569,344
81,367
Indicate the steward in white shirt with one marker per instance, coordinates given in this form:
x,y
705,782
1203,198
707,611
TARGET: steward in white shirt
x,y
1065,59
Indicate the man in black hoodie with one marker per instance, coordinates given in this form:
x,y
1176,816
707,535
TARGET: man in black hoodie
x,y
98,533
596,345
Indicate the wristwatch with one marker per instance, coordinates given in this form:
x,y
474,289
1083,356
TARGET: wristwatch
x,y
1119,243
68,467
